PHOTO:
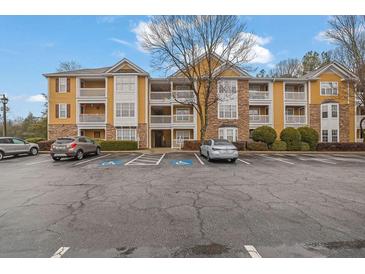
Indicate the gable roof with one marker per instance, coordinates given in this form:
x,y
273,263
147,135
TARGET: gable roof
x,y
126,61
95,71
336,67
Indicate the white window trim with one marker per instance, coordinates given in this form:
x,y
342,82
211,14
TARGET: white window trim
x,y
225,131
129,109
184,131
120,135
60,85
232,102
326,82
59,111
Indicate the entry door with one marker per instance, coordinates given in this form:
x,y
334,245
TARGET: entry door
x,y
158,138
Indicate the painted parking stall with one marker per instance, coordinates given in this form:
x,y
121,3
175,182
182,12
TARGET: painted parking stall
x,y
146,160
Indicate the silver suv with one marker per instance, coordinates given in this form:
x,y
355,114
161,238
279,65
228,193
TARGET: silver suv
x,y
73,147
15,146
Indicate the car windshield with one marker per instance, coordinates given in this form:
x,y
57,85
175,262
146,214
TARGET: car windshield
x,y
221,142
64,140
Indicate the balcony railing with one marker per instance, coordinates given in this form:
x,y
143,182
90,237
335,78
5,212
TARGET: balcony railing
x,y
183,118
183,95
92,118
92,92
160,95
295,119
290,95
259,95
160,119
358,119
260,119
179,143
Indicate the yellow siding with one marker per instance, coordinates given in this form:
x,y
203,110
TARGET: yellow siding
x,y
110,101
317,98
142,100
61,98
229,73
278,109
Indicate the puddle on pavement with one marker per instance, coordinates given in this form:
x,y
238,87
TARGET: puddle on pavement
x,y
356,244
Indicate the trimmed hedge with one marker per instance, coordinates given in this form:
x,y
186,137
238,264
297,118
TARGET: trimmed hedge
x,y
310,136
191,145
35,139
341,147
278,146
291,137
264,134
45,145
304,146
240,145
257,146
118,145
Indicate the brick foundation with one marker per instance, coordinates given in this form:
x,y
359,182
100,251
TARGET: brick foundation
x,y
344,121
62,130
142,134
242,123
110,133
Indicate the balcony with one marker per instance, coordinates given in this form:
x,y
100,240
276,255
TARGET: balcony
x,y
183,118
295,96
259,95
184,96
259,119
160,119
92,118
179,143
92,92
295,119
160,96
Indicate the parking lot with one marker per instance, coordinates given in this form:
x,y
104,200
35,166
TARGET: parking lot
x,y
181,205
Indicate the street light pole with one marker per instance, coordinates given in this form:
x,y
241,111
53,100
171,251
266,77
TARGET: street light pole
x,y
4,101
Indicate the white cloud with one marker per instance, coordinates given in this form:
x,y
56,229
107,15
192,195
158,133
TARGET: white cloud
x,y
139,30
321,37
106,19
122,42
36,98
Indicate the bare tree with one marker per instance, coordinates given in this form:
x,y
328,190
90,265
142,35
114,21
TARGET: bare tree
x,y
200,49
68,66
348,33
290,68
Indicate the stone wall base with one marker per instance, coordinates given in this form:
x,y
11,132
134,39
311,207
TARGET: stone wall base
x,y
61,130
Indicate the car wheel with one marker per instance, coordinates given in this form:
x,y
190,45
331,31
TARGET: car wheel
x,y
1,155
200,152
233,160
79,155
97,152
33,151
208,157
56,158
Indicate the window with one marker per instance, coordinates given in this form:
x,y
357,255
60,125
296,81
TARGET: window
x,y
62,111
125,84
62,84
229,133
227,111
329,88
182,114
334,135
5,141
289,111
227,87
253,111
18,141
324,111
182,134
334,111
124,110
82,140
126,134
325,136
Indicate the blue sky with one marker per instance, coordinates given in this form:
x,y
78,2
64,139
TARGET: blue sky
x,y
32,45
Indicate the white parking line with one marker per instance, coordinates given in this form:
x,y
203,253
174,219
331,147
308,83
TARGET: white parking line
x,y
200,160
83,162
276,159
252,251
62,250
243,161
131,161
163,155
35,163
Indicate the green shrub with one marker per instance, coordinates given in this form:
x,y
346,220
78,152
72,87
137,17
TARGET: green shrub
x,y
279,146
291,137
118,145
304,146
264,134
257,146
310,136
35,139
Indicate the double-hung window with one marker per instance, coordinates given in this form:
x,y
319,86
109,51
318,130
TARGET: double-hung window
x,y
227,111
62,111
227,96
329,88
125,84
228,133
62,84
227,87
334,111
125,110
334,135
324,111
127,134
325,135
182,114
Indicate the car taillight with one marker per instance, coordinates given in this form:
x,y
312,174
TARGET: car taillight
x,y
72,145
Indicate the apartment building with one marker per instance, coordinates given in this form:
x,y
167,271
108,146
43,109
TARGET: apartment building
x,y
123,102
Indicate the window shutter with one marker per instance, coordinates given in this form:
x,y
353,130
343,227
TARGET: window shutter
x,y
57,110
68,110
68,84
57,85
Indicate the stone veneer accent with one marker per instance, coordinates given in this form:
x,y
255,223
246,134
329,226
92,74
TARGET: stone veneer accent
x,y
315,117
61,130
142,134
242,123
110,133
344,121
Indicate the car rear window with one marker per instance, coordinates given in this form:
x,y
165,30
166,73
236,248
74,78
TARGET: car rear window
x,y
221,142
64,140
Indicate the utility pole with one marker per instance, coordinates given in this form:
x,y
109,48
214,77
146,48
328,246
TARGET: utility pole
x,y
4,101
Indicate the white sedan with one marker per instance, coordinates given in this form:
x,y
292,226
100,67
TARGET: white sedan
x,y
219,149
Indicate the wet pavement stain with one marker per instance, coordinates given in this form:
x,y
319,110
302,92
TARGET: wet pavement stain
x,y
356,244
211,249
125,251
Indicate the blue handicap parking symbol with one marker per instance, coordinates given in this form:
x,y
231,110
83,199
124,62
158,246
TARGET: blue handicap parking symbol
x,y
182,162
112,162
